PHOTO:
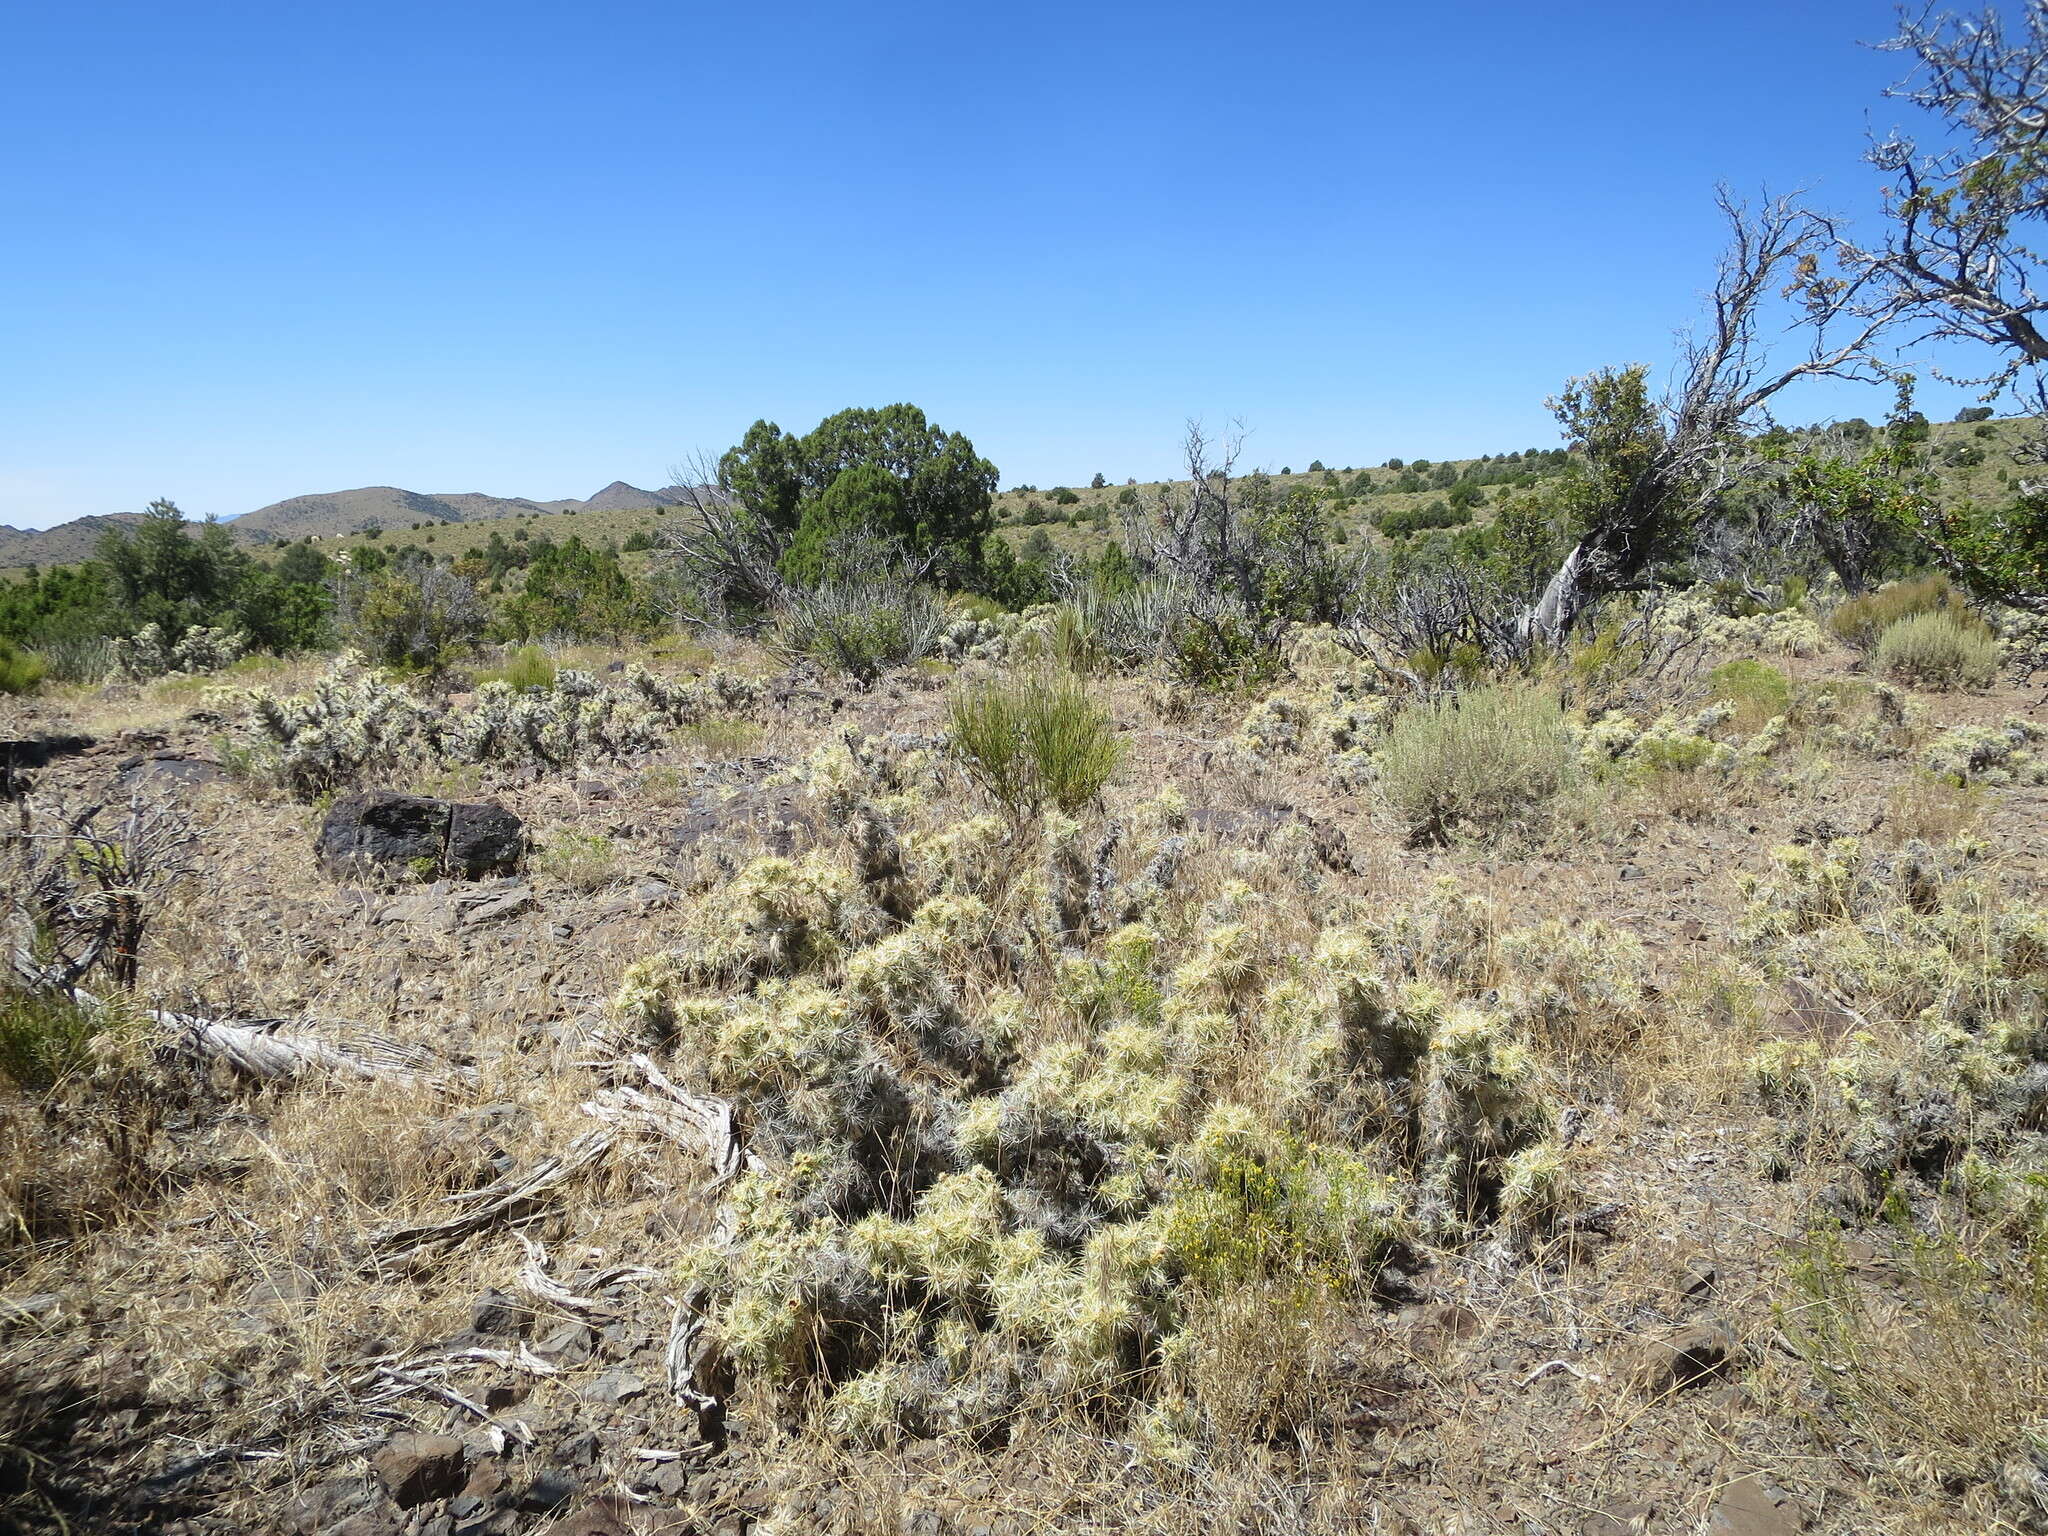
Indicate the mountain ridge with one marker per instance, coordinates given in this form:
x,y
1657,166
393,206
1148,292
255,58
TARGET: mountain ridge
x,y
327,514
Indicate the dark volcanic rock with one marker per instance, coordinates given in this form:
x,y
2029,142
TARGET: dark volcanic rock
x,y
383,834
483,839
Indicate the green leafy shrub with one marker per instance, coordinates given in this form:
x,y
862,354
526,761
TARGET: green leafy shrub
x,y
1862,621
1480,762
411,615
1939,652
20,671
1042,739
1758,690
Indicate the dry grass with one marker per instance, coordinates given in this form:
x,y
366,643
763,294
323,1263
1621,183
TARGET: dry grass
x,y
237,1252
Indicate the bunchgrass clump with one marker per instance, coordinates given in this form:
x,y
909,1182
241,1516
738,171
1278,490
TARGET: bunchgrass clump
x,y
20,671
1039,741
1480,763
1939,652
860,627
583,861
1758,691
1862,621
45,1039
526,667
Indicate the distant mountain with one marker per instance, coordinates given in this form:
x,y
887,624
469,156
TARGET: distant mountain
x,y
381,506
621,497
325,514
62,545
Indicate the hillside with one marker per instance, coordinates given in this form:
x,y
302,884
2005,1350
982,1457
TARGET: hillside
x,y
62,545
383,506
1085,525
1080,527
333,514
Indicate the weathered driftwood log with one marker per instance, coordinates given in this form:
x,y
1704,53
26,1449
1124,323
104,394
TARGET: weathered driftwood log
x,y
688,1119
512,1199
535,1280
271,1050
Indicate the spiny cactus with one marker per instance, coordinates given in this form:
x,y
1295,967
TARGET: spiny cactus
x,y
354,725
148,653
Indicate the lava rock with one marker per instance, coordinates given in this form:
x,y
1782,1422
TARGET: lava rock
x,y
384,834
495,1315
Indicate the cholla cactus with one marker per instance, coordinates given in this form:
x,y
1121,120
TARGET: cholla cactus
x,y
1946,983
148,654
1984,754
1692,614
352,725
781,916
1480,1104
1276,726
1618,745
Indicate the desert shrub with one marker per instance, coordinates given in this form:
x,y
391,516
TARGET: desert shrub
x,y
1939,652
45,1037
1862,621
20,671
1479,762
412,614
528,666
861,626
1038,740
1758,690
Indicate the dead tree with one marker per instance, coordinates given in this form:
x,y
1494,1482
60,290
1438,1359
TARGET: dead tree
x,y
88,891
1955,256
719,554
1235,557
1653,469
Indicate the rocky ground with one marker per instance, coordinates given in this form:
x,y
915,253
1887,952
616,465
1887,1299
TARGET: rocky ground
x,y
212,1318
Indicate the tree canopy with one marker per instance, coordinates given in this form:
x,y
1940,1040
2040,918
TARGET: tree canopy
x,y
919,490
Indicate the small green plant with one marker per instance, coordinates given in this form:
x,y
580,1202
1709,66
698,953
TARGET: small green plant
x,y
1479,763
714,739
1758,690
1938,652
1862,621
46,1039
526,667
1035,741
583,861
20,671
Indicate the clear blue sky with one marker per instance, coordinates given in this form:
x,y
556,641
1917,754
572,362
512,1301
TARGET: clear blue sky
x,y
253,250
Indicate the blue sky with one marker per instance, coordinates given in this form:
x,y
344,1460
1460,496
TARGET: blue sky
x,y
254,250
